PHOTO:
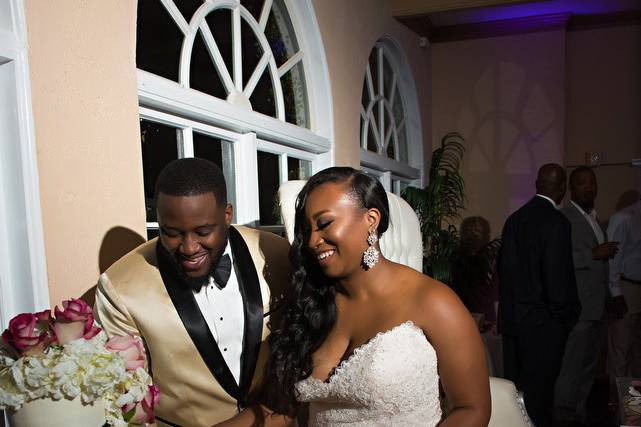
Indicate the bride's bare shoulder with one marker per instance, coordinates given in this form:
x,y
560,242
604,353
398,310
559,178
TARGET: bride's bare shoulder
x,y
435,302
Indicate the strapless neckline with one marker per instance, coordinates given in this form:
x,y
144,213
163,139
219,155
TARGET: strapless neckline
x,y
360,350
390,380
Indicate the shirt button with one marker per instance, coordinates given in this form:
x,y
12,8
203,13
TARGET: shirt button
x,y
225,349
221,318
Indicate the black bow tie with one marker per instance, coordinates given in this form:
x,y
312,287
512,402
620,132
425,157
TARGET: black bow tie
x,y
223,271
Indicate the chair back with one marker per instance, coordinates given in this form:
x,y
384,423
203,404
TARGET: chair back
x,y
508,408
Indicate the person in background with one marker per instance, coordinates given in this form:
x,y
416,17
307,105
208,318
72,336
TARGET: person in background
x,y
474,278
538,301
624,344
590,252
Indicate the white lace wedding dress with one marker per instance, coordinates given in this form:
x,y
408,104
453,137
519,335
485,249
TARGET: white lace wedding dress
x,y
392,380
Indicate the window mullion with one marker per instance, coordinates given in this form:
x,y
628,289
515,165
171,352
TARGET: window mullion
x,y
216,57
381,102
386,180
185,142
246,178
237,49
264,14
283,172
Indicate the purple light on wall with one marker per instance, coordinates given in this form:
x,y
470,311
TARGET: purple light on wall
x,y
536,8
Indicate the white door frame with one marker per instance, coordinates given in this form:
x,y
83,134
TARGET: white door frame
x,y
22,202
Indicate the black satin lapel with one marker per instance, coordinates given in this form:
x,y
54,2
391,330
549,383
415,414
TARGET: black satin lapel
x,y
253,303
196,326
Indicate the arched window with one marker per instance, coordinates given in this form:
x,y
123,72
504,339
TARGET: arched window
x,y
391,142
230,81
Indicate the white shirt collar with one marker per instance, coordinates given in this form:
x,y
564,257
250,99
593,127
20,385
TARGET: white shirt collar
x,y
550,200
227,251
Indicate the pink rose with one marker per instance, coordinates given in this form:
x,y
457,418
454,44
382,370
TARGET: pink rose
x,y
74,322
29,333
143,411
130,348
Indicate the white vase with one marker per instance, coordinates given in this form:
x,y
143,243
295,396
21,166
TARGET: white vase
x,y
58,413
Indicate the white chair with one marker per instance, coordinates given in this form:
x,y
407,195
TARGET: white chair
x,y
508,408
402,243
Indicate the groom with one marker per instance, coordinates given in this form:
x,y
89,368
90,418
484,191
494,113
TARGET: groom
x,y
199,296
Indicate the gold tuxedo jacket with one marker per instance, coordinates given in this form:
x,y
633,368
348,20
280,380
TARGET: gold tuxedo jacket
x,y
140,296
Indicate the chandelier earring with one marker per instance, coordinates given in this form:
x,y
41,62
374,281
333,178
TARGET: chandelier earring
x,y
371,254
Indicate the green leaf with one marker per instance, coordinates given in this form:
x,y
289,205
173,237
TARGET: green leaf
x,y
440,202
129,414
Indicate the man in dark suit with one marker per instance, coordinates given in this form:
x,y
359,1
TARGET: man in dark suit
x,y
538,302
590,252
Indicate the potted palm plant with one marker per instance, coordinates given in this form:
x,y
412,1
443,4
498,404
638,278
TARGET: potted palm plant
x,y
438,205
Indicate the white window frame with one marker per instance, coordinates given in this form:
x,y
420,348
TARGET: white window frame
x,y
174,104
385,168
16,296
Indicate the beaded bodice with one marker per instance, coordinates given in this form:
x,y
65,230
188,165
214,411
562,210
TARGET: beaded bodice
x,y
391,380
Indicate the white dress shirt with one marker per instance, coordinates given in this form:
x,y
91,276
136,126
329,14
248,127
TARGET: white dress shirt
x,y
225,316
592,219
625,228
549,200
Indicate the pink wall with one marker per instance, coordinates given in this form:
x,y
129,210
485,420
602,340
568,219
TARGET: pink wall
x,y
85,110
603,99
349,30
506,96
524,100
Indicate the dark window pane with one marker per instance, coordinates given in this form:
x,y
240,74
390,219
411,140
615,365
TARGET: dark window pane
x,y
390,148
371,140
399,113
187,7
298,169
219,22
202,74
402,144
280,33
208,147
159,147
159,40
262,99
268,183
388,74
389,125
365,99
152,232
254,7
375,112
373,68
295,96
252,51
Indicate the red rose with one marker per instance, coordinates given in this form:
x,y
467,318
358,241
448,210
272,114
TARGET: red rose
x,y
75,321
143,411
130,348
29,333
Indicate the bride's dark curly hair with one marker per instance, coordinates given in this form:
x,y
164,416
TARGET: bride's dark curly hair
x,y
310,309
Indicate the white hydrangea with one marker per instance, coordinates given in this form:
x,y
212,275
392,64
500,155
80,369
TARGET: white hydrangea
x,y
80,368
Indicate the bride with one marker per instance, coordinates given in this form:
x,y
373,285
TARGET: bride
x,y
365,340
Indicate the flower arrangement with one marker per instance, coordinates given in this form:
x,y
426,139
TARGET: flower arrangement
x,y
68,356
